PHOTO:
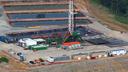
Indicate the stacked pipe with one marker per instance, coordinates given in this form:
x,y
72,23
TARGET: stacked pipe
x,y
29,13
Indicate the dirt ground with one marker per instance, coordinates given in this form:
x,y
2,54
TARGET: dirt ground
x,y
13,65
102,16
114,64
118,64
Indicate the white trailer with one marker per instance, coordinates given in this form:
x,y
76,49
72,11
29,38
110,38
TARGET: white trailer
x,y
117,52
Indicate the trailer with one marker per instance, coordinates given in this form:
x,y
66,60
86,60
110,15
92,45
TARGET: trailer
x,y
39,47
117,52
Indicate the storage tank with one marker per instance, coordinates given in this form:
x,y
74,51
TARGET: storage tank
x,y
99,54
81,56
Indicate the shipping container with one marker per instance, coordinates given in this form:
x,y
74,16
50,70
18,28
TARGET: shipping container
x,y
38,47
61,58
117,52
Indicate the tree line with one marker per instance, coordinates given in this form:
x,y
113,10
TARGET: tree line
x,y
119,7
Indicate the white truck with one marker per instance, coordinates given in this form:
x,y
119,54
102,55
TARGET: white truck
x,y
117,52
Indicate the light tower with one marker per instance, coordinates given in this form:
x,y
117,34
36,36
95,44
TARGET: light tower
x,y
71,17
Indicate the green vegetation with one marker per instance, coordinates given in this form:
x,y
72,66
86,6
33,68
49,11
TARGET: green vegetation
x,y
4,59
117,7
122,19
95,1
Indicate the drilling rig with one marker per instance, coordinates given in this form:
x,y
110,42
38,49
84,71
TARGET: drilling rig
x,y
71,17
71,34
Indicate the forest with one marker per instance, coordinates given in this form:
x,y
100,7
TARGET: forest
x,y
118,7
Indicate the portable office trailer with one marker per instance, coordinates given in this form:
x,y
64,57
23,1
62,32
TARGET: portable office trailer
x,y
117,52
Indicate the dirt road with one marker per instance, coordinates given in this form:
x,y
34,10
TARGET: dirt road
x,y
118,64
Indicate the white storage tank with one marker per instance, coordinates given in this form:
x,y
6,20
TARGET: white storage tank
x,y
99,54
80,56
117,52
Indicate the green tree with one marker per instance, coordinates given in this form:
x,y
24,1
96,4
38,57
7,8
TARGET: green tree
x,y
4,59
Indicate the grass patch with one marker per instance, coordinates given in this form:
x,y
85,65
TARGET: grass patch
x,y
122,19
4,59
95,1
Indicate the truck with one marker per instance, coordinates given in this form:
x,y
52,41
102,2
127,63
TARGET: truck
x,y
117,52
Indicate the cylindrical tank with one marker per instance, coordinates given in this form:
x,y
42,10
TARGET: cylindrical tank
x,y
99,54
80,56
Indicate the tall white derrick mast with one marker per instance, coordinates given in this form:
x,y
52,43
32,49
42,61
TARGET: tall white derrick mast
x,y
71,17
